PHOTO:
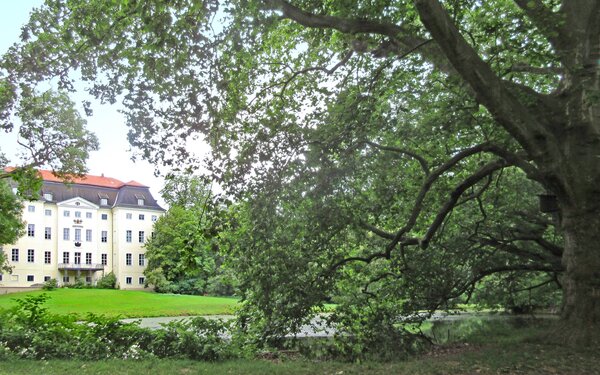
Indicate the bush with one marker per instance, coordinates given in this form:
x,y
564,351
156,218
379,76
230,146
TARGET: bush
x,y
222,285
50,284
108,281
29,331
79,284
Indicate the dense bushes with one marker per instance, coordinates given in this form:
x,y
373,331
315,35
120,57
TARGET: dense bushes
x,y
108,281
29,331
215,286
50,284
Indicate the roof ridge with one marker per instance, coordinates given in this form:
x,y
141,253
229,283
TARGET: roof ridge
x,y
86,179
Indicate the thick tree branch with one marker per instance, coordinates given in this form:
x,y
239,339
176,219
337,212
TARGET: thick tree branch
x,y
530,170
399,36
548,246
344,25
519,267
535,286
483,172
525,127
414,155
427,184
377,231
508,247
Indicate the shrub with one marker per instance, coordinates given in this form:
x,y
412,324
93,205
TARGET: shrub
x,y
50,284
78,284
108,281
222,285
29,331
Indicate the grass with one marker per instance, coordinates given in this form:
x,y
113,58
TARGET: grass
x,y
489,358
125,303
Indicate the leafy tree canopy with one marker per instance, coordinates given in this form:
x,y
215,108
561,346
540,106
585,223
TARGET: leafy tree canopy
x,y
183,254
389,152
52,134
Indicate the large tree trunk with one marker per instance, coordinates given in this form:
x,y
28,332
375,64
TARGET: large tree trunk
x,y
581,259
580,225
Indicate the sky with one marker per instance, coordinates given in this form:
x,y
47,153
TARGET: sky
x,y
113,158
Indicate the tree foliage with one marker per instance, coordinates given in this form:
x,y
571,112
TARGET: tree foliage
x,y
183,254
11,224
388,153
178,252
52,134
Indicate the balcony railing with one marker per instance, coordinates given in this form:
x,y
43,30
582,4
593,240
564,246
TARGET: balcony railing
x,y
81,267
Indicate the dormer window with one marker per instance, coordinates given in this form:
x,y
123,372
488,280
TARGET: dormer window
x,y
103,199
48,197
140,199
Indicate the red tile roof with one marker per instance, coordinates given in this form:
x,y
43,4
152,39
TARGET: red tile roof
x,y
88,179
135,183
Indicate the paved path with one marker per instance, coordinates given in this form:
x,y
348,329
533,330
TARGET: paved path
x,y
156,322
317,328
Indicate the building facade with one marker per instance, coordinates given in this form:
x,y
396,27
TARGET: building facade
x,y
82,231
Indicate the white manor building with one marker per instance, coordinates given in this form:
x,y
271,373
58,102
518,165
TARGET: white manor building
x,y
82,231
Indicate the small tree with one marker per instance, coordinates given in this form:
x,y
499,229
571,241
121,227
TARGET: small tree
x,y
179,251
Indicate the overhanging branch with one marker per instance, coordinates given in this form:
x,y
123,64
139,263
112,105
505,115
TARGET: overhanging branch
x,y
528,129
412,154
482,173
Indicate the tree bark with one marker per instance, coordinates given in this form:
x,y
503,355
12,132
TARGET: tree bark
x,y
581,260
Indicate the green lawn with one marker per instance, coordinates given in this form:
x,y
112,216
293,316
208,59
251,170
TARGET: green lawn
x,y
489,358
127,304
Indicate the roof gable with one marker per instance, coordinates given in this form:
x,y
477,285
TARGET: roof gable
x,y
77,202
